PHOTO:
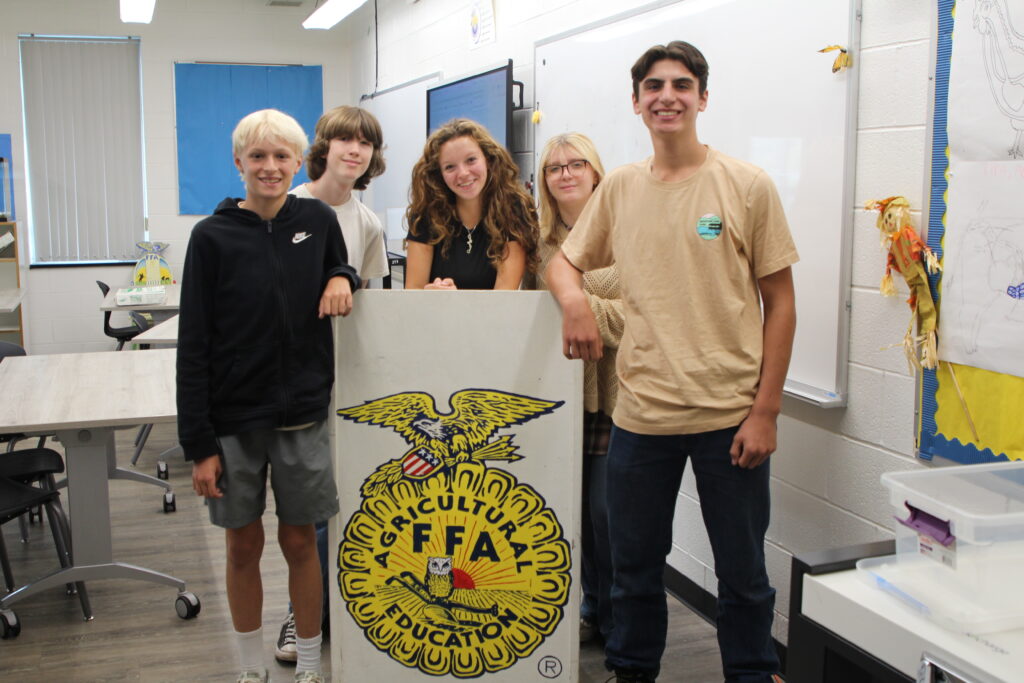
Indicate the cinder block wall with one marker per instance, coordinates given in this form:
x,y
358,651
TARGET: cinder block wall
x,y
825,485
826,473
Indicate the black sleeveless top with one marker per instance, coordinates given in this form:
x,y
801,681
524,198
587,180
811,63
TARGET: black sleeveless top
x,y
469,268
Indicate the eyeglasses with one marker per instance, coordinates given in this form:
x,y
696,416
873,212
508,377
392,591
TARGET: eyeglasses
x,y
575,168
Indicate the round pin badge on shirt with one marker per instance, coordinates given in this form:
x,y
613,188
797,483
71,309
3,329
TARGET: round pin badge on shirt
x,y
709,226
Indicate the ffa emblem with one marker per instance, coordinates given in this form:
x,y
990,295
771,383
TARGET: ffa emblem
x,y
152,268
451,565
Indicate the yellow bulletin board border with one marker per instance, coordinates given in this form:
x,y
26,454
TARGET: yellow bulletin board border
x,y
991,399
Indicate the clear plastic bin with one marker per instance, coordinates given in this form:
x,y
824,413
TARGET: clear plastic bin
x,y
960,560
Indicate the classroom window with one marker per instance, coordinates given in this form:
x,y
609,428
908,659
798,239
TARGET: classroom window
x,y
82,100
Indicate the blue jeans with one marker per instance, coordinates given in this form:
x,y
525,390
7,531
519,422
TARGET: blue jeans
x,y
596,565
644,474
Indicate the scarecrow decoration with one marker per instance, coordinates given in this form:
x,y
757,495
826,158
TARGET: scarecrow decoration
x,y
914,261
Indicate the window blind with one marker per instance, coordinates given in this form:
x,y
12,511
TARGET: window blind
x,y
84,148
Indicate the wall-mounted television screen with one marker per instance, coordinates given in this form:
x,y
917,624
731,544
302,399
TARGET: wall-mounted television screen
x,y
485,98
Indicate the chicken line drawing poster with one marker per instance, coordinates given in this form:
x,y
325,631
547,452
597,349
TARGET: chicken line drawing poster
x,y
981,320
457,437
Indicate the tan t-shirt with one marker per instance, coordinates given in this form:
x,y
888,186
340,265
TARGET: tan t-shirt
x,y
689,255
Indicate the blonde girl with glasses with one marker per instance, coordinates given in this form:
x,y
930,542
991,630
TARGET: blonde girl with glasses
x,y
570,169
471,222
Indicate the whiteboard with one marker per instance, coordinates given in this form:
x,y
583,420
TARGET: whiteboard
x,y
402,112
773,101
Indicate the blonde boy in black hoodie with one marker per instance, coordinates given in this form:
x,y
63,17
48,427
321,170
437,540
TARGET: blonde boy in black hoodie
x,y
262,277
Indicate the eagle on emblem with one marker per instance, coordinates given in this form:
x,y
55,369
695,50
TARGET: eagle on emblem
x,y
442,440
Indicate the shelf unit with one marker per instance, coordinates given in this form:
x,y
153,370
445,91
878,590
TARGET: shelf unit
x,y
11,291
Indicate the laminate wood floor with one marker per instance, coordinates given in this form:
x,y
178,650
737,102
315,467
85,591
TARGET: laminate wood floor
x,y
136,634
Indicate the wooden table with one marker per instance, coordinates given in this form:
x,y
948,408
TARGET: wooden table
x,y
163,333
160,312
83,398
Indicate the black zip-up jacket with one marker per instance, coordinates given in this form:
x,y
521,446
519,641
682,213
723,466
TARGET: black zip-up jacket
x,y
252,353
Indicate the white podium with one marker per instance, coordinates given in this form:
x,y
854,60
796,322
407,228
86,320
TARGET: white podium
x,y
457,449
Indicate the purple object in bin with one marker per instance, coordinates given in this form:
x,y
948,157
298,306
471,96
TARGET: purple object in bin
x,y
930,525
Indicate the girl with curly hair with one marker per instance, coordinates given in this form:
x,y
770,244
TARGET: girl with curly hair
x,y
472,224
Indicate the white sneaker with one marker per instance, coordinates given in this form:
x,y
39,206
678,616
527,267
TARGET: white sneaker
x,y
285,650
260,676
310,677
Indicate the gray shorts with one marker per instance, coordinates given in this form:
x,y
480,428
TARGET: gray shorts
x,y
301,475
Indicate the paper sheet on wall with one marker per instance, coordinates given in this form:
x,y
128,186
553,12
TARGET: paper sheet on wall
x,y
982,311
481,23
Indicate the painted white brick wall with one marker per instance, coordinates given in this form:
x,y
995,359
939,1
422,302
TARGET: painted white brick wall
x,y
825,486
433,35
826,473
61,311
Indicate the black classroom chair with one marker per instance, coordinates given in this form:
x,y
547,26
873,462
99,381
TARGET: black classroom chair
x,y
123,335
15,500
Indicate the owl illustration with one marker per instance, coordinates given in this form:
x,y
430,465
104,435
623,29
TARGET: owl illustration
x,y
439,580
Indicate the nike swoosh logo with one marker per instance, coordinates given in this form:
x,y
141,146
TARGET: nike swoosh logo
x,y
299,236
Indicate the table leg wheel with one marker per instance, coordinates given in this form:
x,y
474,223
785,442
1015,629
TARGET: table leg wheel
x,y
161,470
10,627
169,504
187,605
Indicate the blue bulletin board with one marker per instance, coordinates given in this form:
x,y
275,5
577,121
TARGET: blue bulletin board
x,y
210,99
6,179
968,414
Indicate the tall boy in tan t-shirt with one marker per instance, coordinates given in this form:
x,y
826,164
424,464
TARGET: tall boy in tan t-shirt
x,y
701,244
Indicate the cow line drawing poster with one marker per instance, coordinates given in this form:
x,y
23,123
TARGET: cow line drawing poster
x,y
457,437
971,403
982,312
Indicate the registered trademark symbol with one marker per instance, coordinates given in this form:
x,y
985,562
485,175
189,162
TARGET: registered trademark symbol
x,y
549,667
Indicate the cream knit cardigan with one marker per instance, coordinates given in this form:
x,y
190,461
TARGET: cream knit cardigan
x,y
600,385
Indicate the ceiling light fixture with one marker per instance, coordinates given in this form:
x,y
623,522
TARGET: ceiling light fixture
x,y
331,12
137,11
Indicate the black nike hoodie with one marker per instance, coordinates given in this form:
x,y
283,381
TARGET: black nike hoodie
x,y
252,353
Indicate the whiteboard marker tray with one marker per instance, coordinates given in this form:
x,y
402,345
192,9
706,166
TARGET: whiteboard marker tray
x,y
989,601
